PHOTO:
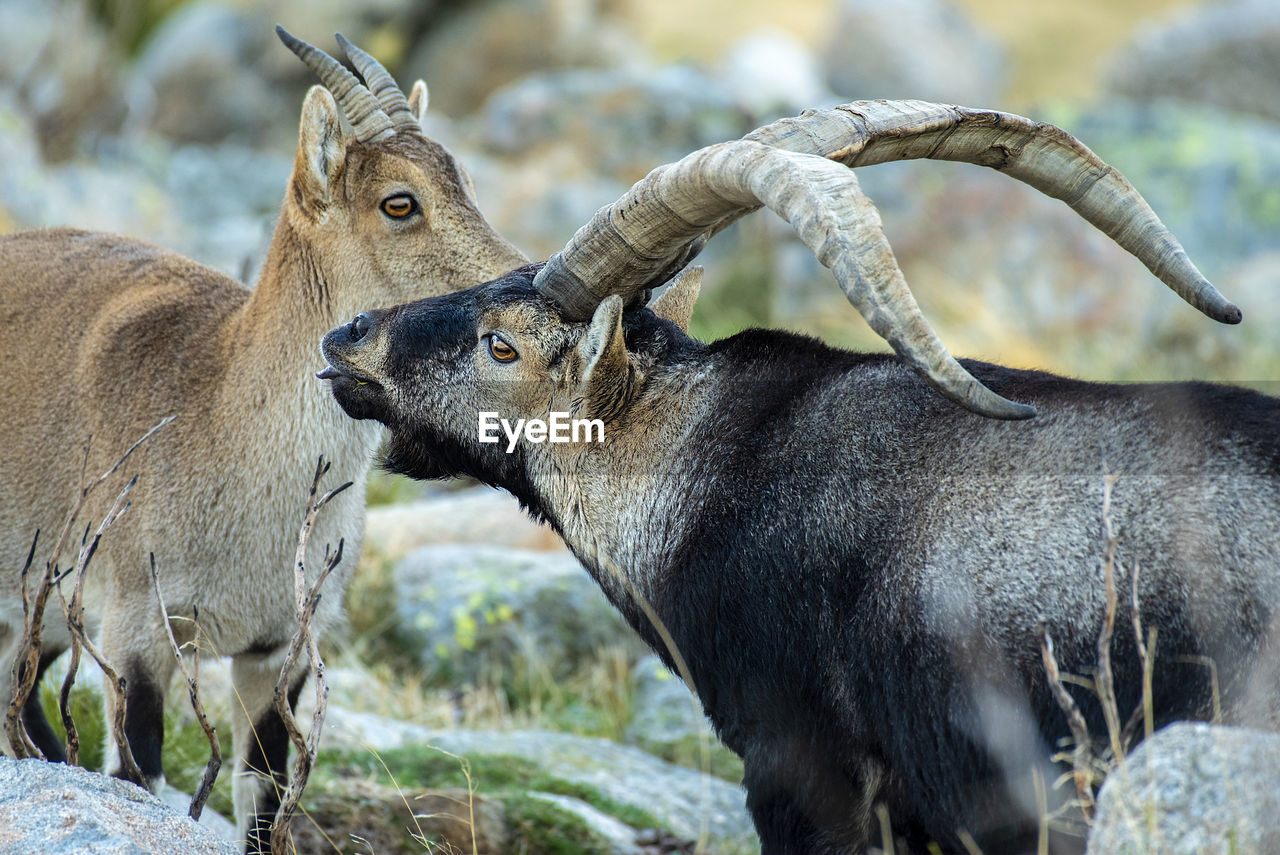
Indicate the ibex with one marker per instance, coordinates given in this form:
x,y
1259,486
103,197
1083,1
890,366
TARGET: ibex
x,y
119,334
852,573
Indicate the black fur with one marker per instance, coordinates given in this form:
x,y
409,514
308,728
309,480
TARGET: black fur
x,y
269,758
143,723
38,727
825,496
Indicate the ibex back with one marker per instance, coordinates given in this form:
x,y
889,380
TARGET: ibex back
x,y
117,334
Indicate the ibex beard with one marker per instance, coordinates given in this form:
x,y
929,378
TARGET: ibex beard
x,y
856,572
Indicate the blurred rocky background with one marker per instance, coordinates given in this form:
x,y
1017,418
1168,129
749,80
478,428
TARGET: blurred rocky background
x,y
480,666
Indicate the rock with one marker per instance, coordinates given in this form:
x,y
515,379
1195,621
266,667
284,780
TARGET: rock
x,y
665,712
772,74
486,46
62,74
200,75
620,837
925,49
475,515
667,720
682,799
84,813
679,798
180,803
1223,55
619,123
488,614
1193,789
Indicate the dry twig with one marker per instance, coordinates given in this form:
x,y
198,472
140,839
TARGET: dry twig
x,y
26,662
74,612
193,690
307,599
1082,754
1105,677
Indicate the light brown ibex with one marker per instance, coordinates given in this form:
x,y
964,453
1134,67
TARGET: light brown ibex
x,y
117,334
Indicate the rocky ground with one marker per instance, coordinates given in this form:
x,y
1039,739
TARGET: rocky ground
x,y
483,691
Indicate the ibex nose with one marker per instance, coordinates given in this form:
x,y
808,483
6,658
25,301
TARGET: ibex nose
x,y
359,326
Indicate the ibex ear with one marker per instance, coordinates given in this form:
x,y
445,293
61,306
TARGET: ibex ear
x,y
322,150
418,100
676,303
608,378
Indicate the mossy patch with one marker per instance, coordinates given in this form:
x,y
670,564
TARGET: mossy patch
x,y
493,775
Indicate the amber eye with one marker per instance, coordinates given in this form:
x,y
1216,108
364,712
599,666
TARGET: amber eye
x,y
399,206
500,350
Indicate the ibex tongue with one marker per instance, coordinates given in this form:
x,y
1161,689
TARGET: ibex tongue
x,y
328,373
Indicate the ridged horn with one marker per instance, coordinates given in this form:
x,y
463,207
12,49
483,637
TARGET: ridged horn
x,y
368,122
382,85
632,243
1039,154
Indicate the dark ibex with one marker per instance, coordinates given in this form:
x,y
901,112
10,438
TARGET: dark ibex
x,y
853,574
117,334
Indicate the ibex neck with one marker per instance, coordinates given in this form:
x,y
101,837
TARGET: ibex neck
x,y
619,503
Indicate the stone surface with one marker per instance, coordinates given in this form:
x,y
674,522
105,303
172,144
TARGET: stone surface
x,y
1193,789
70,97
925,49
84,813
480,613
1225,55
485,46
664,710
620,837
619,123
682,799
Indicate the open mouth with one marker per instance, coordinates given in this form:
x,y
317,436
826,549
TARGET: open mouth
x,y
355,378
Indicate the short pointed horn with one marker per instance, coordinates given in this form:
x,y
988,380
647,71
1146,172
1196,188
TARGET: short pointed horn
x,y
368,122
382,85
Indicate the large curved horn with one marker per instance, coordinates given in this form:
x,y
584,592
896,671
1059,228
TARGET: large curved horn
x,y
368,122
628,245
382,85
1042,155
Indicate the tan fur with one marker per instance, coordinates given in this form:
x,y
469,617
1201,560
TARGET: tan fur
x,y
676,303
108,335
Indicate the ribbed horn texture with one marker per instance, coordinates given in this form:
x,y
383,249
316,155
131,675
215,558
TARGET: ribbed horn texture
x,y
368,122
628,245
630,241
1042,155
382,85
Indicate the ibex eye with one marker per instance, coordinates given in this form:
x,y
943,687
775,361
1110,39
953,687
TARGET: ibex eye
x,y
399,206
500,350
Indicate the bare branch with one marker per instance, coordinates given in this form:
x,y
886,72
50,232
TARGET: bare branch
x,y
307,600
1081,755
1105,676
215,750
27,662
27,658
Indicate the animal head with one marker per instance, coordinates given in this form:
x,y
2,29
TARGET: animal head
x,y
388,209
436,370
